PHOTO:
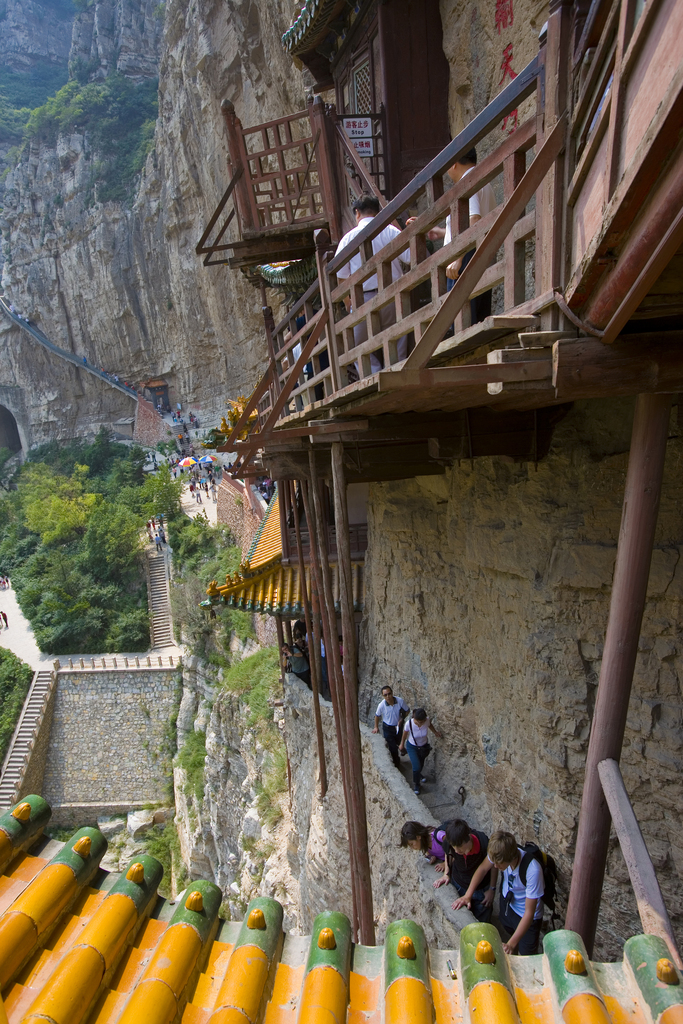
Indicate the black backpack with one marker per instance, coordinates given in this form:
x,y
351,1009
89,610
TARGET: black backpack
x,y
549,868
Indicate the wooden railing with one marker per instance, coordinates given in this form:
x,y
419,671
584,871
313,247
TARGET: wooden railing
x,y
626,85
315,351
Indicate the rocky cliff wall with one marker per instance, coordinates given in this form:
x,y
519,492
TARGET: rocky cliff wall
x,y
488,594
121,283
303,859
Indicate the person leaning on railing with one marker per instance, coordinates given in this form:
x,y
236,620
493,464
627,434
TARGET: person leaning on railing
x,y
481,203
365,208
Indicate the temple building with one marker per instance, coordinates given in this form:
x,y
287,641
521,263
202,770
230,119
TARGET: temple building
x,y
495,357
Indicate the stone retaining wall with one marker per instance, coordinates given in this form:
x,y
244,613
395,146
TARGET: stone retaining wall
x,y
150,428
110,741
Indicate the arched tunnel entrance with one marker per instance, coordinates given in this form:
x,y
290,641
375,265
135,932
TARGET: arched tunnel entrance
x,y
9,432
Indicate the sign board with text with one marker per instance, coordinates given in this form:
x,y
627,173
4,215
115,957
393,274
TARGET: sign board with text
x,y
358,127
364,147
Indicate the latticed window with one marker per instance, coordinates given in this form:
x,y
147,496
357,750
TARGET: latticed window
x,y
362,85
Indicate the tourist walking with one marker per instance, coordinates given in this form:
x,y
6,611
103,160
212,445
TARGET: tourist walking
x,y
391,711
430,840
415,739
4,619
466,850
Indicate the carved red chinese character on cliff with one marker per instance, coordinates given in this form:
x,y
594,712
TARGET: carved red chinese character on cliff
x,y
504,15
508,72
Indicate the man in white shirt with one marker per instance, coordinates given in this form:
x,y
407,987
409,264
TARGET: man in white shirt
x,y
521,907
480,204
391,711
365,208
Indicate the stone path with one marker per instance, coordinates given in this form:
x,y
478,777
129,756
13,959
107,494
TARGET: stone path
x,y
19,637
192,508
441,804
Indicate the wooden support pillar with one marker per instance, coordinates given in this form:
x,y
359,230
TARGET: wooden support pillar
x,y
314,665
280,642
629,590
335,675
317,560
341,518
288,631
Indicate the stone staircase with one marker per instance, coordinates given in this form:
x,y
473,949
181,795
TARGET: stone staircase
x,y
25,735
70,357
159,601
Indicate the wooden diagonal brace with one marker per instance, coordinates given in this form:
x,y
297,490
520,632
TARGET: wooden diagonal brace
x,y
306,350
501,227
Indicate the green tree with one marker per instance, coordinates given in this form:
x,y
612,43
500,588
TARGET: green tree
x,y
161,493
112,543
15,679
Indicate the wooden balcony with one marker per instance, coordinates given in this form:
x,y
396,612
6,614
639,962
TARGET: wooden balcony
x,y
580,252
289,177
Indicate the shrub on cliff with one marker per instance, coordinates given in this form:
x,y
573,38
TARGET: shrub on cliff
x,y
15,679
118,117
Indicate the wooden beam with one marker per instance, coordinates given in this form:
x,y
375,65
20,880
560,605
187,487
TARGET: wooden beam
x,y
466,283
312,661
474,373
588,368
320,559
651,907
310,430
352,725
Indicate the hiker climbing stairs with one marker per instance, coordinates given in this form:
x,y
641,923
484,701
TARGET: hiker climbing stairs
x,y
159,601
62,353
24,737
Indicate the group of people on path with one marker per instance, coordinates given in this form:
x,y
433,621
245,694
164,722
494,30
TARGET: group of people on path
x,y
156,532
470,861
405,733
4,585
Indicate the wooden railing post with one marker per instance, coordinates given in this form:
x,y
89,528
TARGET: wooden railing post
x,y
322,243
341,520
313,663
320,122
629,590
552,103
233,127
269,327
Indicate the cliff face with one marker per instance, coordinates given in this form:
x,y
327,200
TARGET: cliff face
x,y
121,283
34,33
488,593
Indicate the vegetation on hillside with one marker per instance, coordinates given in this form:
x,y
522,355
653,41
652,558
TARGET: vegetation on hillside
x,y
201,553
15,679
71,538
119,118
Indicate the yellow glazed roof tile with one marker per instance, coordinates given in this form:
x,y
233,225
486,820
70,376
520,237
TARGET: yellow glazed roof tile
x,y
226,966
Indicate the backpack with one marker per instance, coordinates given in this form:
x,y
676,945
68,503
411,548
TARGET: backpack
x,y
549,868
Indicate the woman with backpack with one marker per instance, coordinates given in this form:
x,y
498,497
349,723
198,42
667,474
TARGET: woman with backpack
x,y
415,739
429,840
